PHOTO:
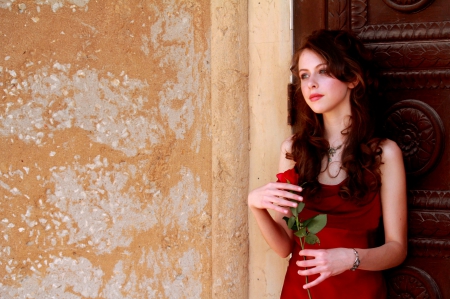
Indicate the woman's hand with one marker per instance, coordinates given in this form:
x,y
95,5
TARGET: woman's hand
x,y
325,262
275,196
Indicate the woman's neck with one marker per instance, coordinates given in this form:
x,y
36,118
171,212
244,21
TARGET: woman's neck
x,y
334,128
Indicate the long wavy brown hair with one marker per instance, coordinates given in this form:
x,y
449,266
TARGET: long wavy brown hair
x,y
348,61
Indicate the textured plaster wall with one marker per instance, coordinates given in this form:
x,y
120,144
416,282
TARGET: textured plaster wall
x,y
230,146
270,50
117,174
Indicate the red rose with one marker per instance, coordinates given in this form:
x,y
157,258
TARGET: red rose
x,y
289,176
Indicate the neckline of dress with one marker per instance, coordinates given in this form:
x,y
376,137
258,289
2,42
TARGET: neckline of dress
x,y
334,185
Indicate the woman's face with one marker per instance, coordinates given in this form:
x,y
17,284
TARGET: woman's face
x,y
323,93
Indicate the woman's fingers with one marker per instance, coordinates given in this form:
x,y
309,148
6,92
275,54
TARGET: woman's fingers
x,y
316,281
309,271
279,205
323,274
275,196
285,186
277,208
312,252
325,262
307,263
282,201
277,189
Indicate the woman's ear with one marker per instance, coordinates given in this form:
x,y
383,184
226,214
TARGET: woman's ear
x,y
353,84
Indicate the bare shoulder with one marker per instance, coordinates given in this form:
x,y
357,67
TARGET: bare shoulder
x,y
286,146
391,151
284,163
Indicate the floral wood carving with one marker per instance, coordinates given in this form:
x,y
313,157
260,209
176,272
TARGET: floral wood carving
x,y
431,54
422,220
409,31
389,32
423,79
428,224
411,282
419,132
358,14
429,199
407,5
434,248
338,14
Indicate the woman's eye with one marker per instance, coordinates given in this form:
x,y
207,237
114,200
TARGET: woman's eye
x,y
304,76
323,71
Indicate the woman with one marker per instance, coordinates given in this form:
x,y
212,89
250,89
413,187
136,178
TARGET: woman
x,y
351,174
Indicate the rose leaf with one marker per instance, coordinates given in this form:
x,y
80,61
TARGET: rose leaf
x,y
299,207
316,223
301,233
312,239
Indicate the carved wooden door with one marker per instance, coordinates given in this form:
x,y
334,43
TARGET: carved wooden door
x,y
411,42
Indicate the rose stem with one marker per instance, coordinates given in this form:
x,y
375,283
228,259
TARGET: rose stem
x,y
302,243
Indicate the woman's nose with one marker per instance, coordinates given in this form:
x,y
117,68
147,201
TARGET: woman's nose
x,y
312,82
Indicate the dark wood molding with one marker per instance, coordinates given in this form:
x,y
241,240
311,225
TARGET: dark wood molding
x,y
429,248
338,14
358,14
413,80
409,31
429,199
429,224
405,55
408,6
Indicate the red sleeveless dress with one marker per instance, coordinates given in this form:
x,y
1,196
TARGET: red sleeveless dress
x,y
348,226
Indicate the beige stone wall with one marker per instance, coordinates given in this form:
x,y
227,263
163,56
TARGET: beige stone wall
x,y
270,49
124,149
230,148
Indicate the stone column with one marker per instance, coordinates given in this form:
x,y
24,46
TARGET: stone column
x,y
230,152
270,51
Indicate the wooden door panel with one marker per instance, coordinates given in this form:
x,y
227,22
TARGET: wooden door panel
x,y
381,13
410,40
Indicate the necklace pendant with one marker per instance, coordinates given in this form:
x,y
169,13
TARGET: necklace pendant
x,y
332,151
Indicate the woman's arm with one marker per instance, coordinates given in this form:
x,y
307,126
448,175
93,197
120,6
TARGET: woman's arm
x,y
393,199
394,207
274,196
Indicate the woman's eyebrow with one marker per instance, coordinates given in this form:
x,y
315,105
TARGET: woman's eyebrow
x,y
317,66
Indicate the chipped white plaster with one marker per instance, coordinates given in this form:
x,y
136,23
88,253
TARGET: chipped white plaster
x,y
123,285
114,109
98,206
180,96
114,208
110,109
63,278
94,206
57,4
185,282
175,272
186,199
144,47
6,4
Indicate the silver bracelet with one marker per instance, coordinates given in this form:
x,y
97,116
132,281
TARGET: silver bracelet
x,y
357,261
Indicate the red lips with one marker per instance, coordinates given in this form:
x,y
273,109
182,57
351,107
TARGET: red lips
x,y
315,97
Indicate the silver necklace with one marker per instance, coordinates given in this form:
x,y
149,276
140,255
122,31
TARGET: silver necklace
x,y
329,169
332,151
